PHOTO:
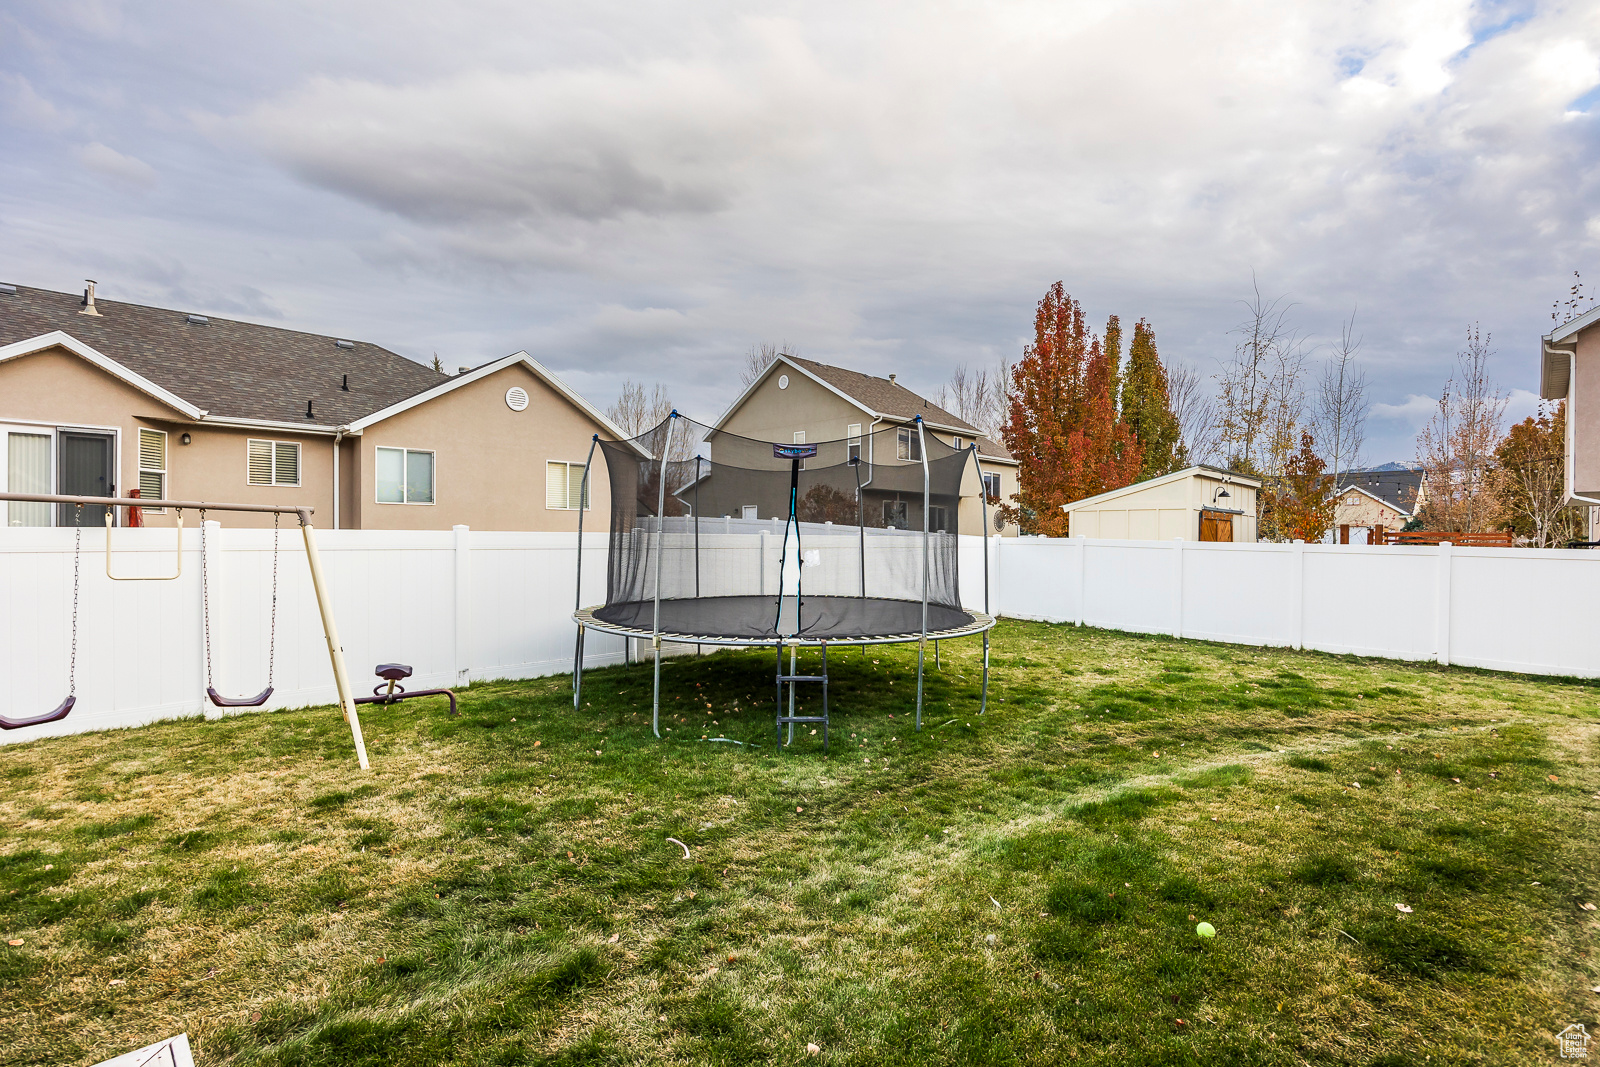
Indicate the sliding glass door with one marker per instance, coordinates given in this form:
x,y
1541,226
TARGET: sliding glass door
x,y
27,470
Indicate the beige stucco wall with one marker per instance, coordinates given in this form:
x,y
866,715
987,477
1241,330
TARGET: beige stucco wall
x,y
57,388
489,460
1163,512
1358,509
1583,414
770,413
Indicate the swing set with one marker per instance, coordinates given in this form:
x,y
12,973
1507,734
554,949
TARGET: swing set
x,y
347,699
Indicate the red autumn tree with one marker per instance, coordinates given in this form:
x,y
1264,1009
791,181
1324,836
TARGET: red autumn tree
x,y
1301,505
1063,423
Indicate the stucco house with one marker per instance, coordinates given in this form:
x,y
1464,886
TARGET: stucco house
x,y
1570,371
799,400
98,397
1199,503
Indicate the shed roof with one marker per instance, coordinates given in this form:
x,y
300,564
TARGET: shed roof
x,y
1199,469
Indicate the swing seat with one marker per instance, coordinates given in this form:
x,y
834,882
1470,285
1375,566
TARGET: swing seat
x,y
243,702
61,712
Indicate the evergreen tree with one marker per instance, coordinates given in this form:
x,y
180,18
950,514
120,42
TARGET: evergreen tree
x,y
1147,406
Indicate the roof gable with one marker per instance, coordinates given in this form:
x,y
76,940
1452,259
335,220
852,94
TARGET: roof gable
x,y
516,358
877,397
57,339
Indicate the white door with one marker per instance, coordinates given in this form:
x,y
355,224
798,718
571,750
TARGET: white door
x,y
26,466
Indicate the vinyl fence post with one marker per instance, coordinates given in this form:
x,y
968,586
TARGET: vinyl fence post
x,y
463,609
1441,625
1297,595
1083,579
1177,587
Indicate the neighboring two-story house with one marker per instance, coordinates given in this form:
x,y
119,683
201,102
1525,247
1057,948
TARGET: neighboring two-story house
x,y
98,397
1570,371
800,400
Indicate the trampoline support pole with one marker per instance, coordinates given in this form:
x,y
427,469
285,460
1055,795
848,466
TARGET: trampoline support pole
x,y
983,497
577,597
922,646
661,536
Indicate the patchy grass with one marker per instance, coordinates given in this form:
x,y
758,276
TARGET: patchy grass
x,y
1020,888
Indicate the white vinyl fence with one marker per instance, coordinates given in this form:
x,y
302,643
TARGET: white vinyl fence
x,y
1505,609
456,605
461,605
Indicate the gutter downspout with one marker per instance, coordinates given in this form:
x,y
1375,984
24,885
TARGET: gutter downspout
x,y
1567,464
338,435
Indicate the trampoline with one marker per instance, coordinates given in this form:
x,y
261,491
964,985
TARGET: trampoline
x,y
718,539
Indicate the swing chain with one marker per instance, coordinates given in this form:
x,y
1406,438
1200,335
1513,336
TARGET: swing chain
x,y
77,560
272,633
205,595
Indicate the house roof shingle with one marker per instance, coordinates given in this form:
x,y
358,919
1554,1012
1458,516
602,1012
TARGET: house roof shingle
x,y
884,397
229,368
1395,485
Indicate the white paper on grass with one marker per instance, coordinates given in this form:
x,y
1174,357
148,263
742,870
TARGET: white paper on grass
x,y
173,1052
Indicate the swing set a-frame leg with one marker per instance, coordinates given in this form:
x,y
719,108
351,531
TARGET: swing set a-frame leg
x,y
341,679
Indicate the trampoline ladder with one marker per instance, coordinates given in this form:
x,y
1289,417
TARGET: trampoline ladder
x,y
792,678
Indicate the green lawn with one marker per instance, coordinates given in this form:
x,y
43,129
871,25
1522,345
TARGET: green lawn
x,y
1017,888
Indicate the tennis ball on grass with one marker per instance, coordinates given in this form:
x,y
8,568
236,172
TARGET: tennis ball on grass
x,y
1206,930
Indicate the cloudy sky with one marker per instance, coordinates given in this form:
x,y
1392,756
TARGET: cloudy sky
x,y
646,190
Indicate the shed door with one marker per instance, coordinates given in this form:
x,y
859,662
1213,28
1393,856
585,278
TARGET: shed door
x,y
1215,526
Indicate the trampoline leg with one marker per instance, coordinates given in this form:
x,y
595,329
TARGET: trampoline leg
x,y
794,653
936,664
778,714
577,671
655,704
983,705
922,651
824,700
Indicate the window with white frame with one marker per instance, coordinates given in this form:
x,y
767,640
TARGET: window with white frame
x,y
153,465
991,487
274,462
853,441
564,489
958,443
910,445
936,519
748,511
403,475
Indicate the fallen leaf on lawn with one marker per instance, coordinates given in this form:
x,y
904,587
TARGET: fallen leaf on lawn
x,y
812,1048
1552,777
1586,907
1403,909
613,939
119,981
14,942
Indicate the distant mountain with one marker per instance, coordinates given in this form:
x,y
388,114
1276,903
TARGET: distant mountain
x,y
1391,466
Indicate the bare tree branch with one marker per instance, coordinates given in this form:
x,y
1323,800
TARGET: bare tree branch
x,y
1340,410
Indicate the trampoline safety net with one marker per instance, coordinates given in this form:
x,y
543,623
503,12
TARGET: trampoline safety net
x,y
727,569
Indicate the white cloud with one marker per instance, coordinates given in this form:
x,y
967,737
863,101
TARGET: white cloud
x,y
1414,411
25,107
113,164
